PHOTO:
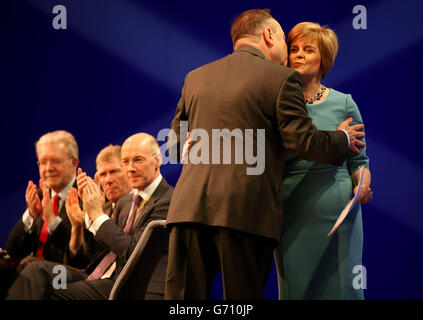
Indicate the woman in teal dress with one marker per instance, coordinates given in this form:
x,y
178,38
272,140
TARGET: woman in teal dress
x,y
311,265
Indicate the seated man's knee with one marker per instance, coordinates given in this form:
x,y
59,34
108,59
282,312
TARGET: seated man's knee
x,y
38,267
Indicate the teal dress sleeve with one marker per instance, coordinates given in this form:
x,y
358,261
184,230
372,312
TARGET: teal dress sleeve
x,y
354,161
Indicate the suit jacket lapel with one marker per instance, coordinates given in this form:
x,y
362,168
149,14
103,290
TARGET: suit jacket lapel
x,y
149,206
122,216
108,208
62,212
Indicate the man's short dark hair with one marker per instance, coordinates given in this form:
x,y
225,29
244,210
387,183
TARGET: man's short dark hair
x,y
248,23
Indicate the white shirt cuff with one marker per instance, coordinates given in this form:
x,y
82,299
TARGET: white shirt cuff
x,y
27,221
348,137
98,222
88,222
54,224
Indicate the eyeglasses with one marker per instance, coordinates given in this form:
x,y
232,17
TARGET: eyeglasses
x,y
53,162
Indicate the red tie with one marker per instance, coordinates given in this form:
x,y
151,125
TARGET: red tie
x,y
44,233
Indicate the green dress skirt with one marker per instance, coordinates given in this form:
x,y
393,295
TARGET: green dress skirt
x,y
311,265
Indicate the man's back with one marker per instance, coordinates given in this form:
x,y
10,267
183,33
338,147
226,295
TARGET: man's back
x,y
238,92
261,104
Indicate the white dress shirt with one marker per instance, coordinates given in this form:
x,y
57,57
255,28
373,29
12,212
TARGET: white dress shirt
x,y
348,137
93,227
145,194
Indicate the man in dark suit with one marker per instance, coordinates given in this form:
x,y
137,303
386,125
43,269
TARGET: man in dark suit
x,y
223,215
111,177
41,231
114,183
141,161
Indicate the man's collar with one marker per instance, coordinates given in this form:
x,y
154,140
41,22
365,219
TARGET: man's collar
x,y
147,192
64,192
251,49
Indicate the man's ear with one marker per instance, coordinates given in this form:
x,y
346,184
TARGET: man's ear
x,y
75,162
159,159
268,36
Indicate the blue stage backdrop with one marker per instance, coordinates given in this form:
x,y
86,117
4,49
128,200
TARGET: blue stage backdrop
x,y
119,66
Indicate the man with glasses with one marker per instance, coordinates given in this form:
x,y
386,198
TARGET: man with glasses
x,y
44,229
117,235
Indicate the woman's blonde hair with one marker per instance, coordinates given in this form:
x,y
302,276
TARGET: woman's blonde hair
x,y
326,40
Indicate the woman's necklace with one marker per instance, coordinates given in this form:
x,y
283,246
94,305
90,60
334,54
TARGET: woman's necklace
x,y
317,96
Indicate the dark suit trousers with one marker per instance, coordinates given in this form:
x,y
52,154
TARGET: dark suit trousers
x,y
35,282
197,251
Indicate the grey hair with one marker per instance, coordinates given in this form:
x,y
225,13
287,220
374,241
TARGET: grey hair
x,y
57,137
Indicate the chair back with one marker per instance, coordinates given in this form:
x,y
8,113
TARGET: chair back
x,y
132,282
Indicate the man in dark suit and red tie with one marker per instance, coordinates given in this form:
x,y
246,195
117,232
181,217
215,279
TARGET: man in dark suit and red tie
x,y
44,228
113,239
222,217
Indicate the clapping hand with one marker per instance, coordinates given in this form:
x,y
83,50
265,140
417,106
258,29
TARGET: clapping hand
x,y
75,214
98,183
91,195
186,147
48,215
81,181
33,200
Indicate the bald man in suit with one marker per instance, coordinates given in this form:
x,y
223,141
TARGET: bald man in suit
x,y
115,237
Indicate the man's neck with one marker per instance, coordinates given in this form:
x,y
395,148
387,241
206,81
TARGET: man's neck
x,y
251,42
66,187
147,188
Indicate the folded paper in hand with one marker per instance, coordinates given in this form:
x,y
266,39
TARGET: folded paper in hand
x,y
349,205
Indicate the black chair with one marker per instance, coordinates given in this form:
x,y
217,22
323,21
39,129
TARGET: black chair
x,y
134,278
8,272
